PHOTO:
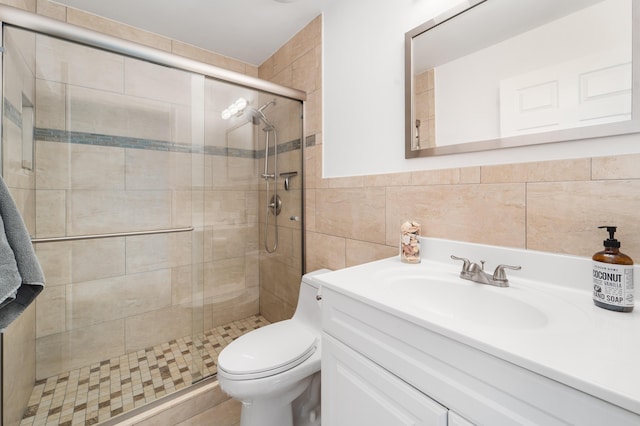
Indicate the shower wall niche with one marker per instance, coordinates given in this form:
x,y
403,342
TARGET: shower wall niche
x,y
145,208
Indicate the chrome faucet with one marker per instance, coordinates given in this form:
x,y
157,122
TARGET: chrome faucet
x,y
474,272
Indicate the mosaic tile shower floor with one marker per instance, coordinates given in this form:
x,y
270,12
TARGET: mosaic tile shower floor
x,y
96,393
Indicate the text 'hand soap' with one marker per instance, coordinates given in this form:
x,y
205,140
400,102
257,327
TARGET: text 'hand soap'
x,y
612,276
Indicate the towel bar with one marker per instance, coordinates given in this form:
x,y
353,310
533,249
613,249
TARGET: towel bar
x,y
112,235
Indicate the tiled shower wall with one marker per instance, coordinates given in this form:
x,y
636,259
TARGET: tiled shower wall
x,y
297,64
119,149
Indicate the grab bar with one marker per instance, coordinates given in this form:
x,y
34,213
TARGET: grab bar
x,y
112,235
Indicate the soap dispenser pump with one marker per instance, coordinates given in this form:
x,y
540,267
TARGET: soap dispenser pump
x,y
612,276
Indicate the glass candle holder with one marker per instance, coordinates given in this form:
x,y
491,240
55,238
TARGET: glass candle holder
x,y
409,242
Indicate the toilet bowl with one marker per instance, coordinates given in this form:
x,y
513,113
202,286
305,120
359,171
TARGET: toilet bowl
x,y
275,370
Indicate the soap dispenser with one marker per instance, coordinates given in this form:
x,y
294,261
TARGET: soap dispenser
x,y
612,276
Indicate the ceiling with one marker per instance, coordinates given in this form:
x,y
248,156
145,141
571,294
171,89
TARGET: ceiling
x,y
247,30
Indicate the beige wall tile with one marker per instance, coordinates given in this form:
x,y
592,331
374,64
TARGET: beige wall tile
x,y
55,260
488,214
29,5
313,168
181,208
346,182
324,251
543,171
225,208
147,80
357,213
51,213
147,169
97,167
25,200
182,288
310,210
94,302
158,326
96,212
63,352
470,175
563,217
233,306
79,65
618,167
52,165
307,71
51,10
51,311
97,111
313,113
97,258
230,241
273,308
358,252
18,366
227,413
392,179
159,251
436,177
224,276
200,408
50,105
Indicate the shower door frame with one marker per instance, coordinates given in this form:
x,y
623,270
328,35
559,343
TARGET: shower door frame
x,y
48,26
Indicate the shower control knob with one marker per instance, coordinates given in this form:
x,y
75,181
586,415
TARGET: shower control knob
x,y
295,218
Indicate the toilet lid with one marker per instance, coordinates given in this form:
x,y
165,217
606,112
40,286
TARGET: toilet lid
x,y
268,350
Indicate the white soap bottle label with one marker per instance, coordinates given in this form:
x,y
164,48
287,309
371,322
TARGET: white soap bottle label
x,y
613,284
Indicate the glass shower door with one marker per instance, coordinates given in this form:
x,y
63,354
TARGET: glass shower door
x,y
118,178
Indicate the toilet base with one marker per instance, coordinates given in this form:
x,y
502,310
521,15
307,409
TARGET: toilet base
x,y
304,410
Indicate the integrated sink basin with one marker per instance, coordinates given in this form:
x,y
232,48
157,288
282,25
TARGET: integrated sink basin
x,y
462,301
434,292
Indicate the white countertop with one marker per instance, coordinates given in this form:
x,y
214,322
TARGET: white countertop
x,y
591,349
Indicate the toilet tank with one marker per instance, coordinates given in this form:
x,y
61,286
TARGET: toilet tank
x,y
308,308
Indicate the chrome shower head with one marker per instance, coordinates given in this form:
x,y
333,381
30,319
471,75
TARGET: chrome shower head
x,y
256,115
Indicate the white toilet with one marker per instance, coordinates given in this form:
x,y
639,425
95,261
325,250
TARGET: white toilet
x,y
275,370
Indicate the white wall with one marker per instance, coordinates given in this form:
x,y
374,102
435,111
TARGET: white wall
x,y
363,97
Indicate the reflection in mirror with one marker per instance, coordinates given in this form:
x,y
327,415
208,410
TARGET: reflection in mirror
x,y
502,73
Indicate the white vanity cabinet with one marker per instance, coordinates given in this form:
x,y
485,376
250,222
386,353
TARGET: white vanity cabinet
x,y
379,367
358,391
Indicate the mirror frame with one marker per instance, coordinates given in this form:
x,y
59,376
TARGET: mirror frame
x,y
576,133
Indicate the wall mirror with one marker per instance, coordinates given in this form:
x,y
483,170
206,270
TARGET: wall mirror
x,y
502,73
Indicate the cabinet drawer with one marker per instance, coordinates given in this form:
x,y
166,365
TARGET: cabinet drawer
x,y
482,388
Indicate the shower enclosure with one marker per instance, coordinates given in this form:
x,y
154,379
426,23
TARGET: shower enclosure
x,y
148,211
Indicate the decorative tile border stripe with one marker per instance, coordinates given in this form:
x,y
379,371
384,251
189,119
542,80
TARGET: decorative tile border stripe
x,y
12,113
88,138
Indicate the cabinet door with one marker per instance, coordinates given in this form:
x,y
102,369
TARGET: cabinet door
x,y
356,391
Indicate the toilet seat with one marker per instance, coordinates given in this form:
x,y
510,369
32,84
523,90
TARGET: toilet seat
x,y
267,351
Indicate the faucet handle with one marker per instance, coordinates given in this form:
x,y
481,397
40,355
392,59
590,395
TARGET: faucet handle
x,y
500,275
466,266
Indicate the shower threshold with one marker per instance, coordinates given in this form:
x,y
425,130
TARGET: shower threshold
x,y
93,394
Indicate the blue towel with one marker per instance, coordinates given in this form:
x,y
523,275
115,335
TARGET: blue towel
x,y
21,277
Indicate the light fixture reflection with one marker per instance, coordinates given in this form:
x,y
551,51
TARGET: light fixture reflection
x,y
235,109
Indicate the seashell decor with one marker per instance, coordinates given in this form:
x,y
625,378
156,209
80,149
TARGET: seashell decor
x,y
409,242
